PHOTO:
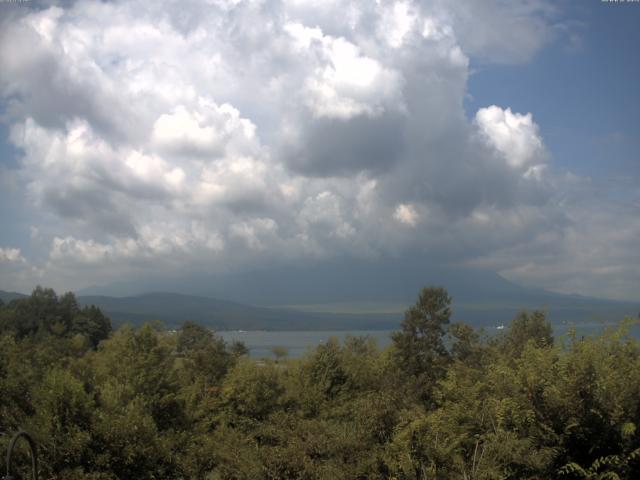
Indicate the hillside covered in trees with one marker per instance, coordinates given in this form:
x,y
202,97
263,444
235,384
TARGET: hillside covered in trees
x,y
442,402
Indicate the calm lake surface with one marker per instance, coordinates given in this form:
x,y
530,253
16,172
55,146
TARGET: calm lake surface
x,y
298,343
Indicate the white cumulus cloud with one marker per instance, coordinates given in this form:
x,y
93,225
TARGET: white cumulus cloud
x,y
515,136
161,136
406,213
11,255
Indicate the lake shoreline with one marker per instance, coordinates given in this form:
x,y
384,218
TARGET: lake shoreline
x,y
298,342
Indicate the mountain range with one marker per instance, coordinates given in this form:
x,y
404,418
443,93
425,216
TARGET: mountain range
x,y
349,295
173,309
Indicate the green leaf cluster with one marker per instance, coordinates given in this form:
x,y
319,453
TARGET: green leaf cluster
x,y
443,401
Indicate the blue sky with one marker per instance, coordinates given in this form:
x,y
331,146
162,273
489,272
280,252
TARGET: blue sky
x,y
142,140
584,94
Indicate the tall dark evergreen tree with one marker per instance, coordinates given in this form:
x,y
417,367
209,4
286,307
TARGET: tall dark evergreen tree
x,y
419,346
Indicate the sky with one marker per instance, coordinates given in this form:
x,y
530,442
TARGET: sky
x,y
144,139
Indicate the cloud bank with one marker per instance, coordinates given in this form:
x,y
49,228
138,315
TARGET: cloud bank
x,y
220,135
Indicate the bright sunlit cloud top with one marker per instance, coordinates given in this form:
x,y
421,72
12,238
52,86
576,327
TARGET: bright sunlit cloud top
x,y
144,138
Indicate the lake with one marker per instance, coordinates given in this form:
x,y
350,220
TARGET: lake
x,y
298,343
260,343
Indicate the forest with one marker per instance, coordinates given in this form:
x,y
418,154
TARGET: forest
x,y
443,401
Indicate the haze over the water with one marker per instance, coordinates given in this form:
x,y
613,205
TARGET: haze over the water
x,y
183,140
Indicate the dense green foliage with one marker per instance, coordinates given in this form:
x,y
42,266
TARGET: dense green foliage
x,y
442,402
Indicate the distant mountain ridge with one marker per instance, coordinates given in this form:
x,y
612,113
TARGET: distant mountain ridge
x,y
480,296
489,306
348,280
275,299
173,309
6,297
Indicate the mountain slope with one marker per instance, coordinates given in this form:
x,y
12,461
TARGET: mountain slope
x,y
343,280
480,297
173,309
6,297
